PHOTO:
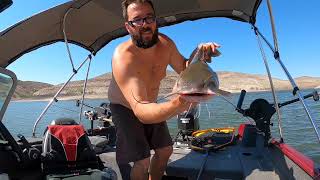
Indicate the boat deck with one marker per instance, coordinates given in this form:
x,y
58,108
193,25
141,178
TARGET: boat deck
x,y
232,162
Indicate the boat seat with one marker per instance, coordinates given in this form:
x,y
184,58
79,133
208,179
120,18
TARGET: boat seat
x,y
67,148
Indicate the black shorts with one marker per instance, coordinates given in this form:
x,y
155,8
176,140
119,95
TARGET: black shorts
x,y
135,139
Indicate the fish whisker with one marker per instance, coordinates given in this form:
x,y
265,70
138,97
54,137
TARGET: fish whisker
x,y
188,111
208,111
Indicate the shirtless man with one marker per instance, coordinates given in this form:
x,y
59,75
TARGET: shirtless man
x,y
138,66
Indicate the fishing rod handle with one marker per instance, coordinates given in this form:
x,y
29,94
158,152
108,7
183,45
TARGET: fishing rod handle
x,y
240,101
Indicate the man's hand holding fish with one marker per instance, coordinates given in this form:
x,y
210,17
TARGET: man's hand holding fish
x,y
209,50
198,82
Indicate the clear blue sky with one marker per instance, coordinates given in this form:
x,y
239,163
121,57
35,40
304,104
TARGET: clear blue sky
x,y
297,26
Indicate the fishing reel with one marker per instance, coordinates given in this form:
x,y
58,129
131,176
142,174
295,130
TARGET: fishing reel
x,y
91,115
101,113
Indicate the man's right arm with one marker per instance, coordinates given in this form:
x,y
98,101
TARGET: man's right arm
x,y
134,91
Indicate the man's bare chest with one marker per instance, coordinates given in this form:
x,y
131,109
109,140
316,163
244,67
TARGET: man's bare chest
x,y
153,66
152,73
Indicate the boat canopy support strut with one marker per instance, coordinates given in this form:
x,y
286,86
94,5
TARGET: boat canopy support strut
x,y
66,39
54,99
275,50
84,91
275,99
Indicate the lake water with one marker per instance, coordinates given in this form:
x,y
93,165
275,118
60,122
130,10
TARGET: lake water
x,y
297,129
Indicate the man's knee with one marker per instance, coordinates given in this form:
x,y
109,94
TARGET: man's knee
x,y
143,164
164,152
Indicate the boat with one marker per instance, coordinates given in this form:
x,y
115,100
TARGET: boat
x,y
248,151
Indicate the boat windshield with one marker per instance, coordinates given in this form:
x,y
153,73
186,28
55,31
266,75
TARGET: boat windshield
x,y
6,83
7,86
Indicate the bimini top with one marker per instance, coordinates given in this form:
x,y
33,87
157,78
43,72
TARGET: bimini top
x,y
92,24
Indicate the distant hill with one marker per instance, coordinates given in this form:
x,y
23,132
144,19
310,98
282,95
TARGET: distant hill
x,y
308,82
98,87
235,82
26,89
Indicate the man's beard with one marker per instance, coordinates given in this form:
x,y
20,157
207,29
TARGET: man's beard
x,y
141,43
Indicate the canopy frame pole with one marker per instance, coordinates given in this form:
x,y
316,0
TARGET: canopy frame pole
x,y
275,98
66,39
84,91
296,90
54,99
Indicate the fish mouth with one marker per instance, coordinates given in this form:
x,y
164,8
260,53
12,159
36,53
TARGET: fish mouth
x,y
194,94
197,97
205,93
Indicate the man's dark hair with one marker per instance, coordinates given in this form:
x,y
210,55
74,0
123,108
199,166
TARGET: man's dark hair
x,y
126,3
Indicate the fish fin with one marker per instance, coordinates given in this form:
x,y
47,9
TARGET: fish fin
x,y
223,93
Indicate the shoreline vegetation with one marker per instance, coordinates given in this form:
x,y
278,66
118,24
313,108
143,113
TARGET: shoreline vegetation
x,y
97,87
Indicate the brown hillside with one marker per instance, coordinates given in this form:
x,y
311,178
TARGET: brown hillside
x,y
308,82
98,87
26,89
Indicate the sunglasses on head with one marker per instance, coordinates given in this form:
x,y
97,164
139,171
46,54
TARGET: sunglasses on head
x,y
139,22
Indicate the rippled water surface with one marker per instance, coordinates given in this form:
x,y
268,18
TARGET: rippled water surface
x,y
297,129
